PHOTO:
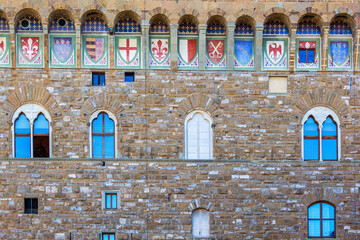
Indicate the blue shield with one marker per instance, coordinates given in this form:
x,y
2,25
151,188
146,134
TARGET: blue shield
x,y
62,48
339,51
243,51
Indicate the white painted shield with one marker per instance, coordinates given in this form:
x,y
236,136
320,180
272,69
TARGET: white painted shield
x,y
128,49
275,50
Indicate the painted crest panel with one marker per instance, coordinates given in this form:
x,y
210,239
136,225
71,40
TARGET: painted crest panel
x,y
340,54
62,51
95,51
5,59
244,53
275,53
159,52
216,53
188,53
127,51
30,51
308,54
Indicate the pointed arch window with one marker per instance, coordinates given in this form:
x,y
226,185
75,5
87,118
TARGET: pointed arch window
x,y
321,135
31,132
198,136
321,220
103,136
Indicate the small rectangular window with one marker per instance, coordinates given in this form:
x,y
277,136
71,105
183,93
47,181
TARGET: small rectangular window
x,y
108,236
98,79
129,76
31,205
110,200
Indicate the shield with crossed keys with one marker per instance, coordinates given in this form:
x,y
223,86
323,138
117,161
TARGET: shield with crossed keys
x,y
215,50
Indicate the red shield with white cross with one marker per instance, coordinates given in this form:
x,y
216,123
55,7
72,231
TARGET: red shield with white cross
x,y
128,49
215,50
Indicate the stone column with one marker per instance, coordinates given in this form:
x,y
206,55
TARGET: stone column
x,y
230,45
12,44
78,44
325,38
202,45
46,46
356,49
173,48
145,44
259,27
292,49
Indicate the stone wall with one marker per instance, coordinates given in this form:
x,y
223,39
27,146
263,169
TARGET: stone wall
x,y
247,200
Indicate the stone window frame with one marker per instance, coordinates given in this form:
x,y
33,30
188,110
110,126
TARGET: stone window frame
x,y
207,117
93,116
107,232
31,111
103,200
320,113
193,227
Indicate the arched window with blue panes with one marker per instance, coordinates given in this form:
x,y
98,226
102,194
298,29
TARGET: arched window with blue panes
x,y
22,137
103,136
321,220
321,135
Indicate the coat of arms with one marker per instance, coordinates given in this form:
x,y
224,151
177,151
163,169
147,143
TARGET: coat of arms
x,y
187,49
215,50
159,49
95,48
275,50
339,51
243,51
62,48
29,47
128,49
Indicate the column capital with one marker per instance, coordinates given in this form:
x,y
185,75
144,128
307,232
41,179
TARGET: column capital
x,y
145,24
202,27
172,26
259,25
231,26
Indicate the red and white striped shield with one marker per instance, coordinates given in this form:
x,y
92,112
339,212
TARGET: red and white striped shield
x,y
187,49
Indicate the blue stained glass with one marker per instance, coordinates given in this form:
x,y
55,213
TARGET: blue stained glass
x,y
22,147
98,124
108,201
97,146
329,127
314,228
314,211
109,146
113,201
311,56
328,228
328,211
302,54
41,125
22,124
109,124
311,149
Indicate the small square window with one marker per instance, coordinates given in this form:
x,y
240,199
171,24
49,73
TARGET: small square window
x,y
129,76
111,200
108,236
98,79
31,205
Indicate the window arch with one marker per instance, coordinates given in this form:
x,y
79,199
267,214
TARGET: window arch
x,y
321,135
321,220
103,137
31,132
198,135
200,223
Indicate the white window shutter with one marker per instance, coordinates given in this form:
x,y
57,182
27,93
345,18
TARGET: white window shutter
x,y
200,223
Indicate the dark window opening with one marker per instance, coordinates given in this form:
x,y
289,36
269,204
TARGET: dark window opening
x,y
98,79
41,146
129,76
25,23
62,22
31,205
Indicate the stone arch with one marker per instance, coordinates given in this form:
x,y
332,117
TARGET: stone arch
x,y
198,101
347,16
191,18
200,203
316,194
188,11
61,12
62,7
321,97
28,11
313,12
163,12
246,18
278,14
93,8
27,6
131,13
127,9
216,12
102,101
31,94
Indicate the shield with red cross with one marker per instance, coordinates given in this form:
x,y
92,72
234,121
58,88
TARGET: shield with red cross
x,y
128,49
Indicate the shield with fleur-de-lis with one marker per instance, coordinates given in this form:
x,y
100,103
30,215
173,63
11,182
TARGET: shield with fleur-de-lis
x,y
30,47
159,49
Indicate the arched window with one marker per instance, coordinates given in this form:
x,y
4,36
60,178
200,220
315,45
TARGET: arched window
x,y
103,136
321,220
200,223
321,135
31,132
198,136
